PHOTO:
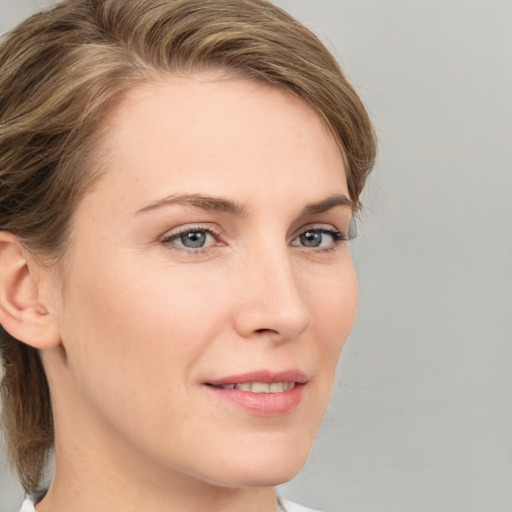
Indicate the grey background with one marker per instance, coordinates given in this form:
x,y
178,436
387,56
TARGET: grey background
x,y
421,417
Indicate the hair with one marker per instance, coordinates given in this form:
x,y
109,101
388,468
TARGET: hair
x,y
64,69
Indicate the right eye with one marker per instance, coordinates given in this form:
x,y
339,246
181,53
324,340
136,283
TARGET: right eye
x,y
191,239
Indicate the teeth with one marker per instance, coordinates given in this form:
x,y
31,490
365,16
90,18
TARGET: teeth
x,y
276,387
262,387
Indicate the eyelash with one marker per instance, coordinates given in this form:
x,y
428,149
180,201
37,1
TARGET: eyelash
x,y
168,240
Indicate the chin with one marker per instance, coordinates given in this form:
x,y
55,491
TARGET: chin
x,y
265,467
281,473
270,476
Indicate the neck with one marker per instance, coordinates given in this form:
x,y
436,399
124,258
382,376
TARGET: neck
x,y
84,484
106,498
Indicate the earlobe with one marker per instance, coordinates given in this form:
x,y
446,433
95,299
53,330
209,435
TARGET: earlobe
x,y
22,312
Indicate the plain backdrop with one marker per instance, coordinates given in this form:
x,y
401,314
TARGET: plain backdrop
x,y
421,416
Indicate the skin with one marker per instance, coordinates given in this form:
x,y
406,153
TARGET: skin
x,y
143,322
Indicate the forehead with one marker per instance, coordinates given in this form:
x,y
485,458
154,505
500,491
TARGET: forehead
x,y
208,134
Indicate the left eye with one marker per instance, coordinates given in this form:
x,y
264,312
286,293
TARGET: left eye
x,y
192,239
314,238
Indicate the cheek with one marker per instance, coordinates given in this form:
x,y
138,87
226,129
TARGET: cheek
x,y
141,328
132,340
334,310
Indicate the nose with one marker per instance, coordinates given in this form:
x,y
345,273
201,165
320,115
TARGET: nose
x,y
271,298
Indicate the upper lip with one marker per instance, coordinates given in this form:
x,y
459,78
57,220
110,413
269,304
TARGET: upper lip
x,y
266,376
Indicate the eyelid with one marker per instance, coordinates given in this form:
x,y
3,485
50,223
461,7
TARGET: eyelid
x,y
187,228
326,227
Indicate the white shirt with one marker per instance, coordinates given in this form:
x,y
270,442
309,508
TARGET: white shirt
x,y
294,507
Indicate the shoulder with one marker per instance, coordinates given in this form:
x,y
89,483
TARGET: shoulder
x,y
294,507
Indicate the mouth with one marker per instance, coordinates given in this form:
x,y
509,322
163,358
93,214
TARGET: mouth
x,y
261,393
259,387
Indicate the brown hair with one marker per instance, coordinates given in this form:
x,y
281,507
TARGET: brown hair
x,y
60,73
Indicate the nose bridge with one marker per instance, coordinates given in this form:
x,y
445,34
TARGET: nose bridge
x,y
272,297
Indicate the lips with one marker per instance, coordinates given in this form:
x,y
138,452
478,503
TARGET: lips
x,y
261,393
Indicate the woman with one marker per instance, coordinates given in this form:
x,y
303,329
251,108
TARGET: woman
x,y
178,179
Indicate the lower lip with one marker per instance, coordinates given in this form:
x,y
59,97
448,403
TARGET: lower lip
x,y
261,404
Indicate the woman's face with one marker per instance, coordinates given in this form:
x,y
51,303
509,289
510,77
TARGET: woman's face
x,y
209,288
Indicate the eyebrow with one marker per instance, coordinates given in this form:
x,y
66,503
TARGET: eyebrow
x,y
214,204
218,204
327,204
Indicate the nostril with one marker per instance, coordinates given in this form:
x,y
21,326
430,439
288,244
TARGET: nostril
x,y
265,331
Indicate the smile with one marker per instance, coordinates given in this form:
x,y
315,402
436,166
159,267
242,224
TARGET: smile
x,y
261,393
260,387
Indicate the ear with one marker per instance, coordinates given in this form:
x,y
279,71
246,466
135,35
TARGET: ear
x,y
23,313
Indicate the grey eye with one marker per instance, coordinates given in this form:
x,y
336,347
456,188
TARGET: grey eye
x,y
193,239
319,238
311,238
